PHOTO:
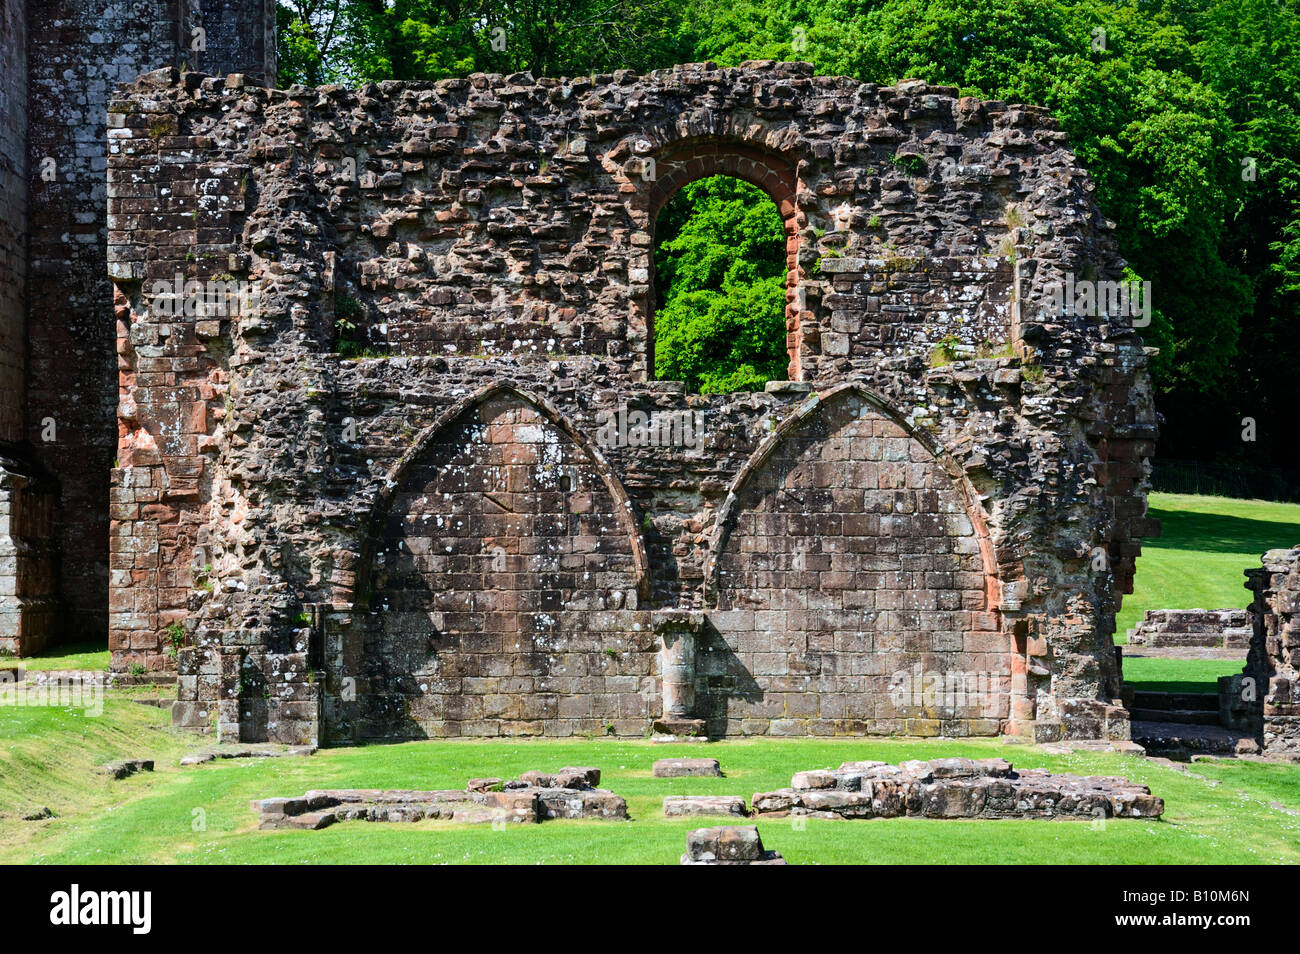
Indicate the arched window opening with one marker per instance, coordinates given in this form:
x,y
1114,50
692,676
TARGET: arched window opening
x,y
720,296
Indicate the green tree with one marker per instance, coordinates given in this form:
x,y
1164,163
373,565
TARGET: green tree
x,y
352,40
720,277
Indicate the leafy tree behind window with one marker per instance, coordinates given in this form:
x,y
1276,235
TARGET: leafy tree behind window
x,y
720,271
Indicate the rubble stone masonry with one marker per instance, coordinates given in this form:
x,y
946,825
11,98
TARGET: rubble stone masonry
x,y
77,53
1264,698
26,555
13,217
58,374
380,495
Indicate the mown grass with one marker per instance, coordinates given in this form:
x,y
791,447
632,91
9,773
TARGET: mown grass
x,y
67,656
201,814
1205,545
1157,674
49,756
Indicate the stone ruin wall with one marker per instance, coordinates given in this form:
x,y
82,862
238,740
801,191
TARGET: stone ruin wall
x,y
23,608
13,216
434,539
1183,628
78,53
1264,698
58,369
238,37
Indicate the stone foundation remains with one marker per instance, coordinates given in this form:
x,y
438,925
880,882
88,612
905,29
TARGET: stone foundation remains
x,y
686,768
534,797
404,473
685,806
956,788
1177,629
728,845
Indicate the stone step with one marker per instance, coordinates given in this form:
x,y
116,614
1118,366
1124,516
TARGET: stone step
x,y
1191,639
1183,716
1181,741
1197,701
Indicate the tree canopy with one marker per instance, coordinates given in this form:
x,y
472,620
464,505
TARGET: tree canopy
x,y
720,279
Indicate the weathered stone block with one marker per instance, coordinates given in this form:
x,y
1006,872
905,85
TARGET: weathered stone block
x,y
686,768
732,844
689,805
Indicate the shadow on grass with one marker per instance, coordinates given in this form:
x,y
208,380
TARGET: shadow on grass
x,y
1164,685
1220,533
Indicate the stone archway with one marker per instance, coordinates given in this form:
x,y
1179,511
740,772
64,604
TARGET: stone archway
x,y
501,580
853,584
660,173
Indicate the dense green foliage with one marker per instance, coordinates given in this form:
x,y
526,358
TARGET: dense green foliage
x,y
1186,113
720,277
326,41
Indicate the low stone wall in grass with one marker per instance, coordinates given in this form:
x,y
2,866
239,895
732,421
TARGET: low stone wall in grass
x,y
531,798
956,788
1180,628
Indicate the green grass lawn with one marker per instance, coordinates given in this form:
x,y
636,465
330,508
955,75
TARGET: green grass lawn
x,y
1197,563
1205,544
201,814
67,656
1156,674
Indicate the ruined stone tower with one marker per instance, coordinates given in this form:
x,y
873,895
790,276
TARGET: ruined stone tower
x,y
58,367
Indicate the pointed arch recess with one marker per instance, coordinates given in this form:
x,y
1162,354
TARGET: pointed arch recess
x,y
728,512
626,513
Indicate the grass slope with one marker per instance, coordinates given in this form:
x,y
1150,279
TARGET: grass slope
x,y
49,756
67,656
1197,563
1205,545
201,815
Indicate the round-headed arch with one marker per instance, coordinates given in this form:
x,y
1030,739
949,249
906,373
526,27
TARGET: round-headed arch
x,y
659,171
624,511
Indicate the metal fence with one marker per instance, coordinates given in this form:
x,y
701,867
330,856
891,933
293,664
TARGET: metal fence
x,y
1221,479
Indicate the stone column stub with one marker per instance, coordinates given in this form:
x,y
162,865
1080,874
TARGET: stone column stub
x,y
677,630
